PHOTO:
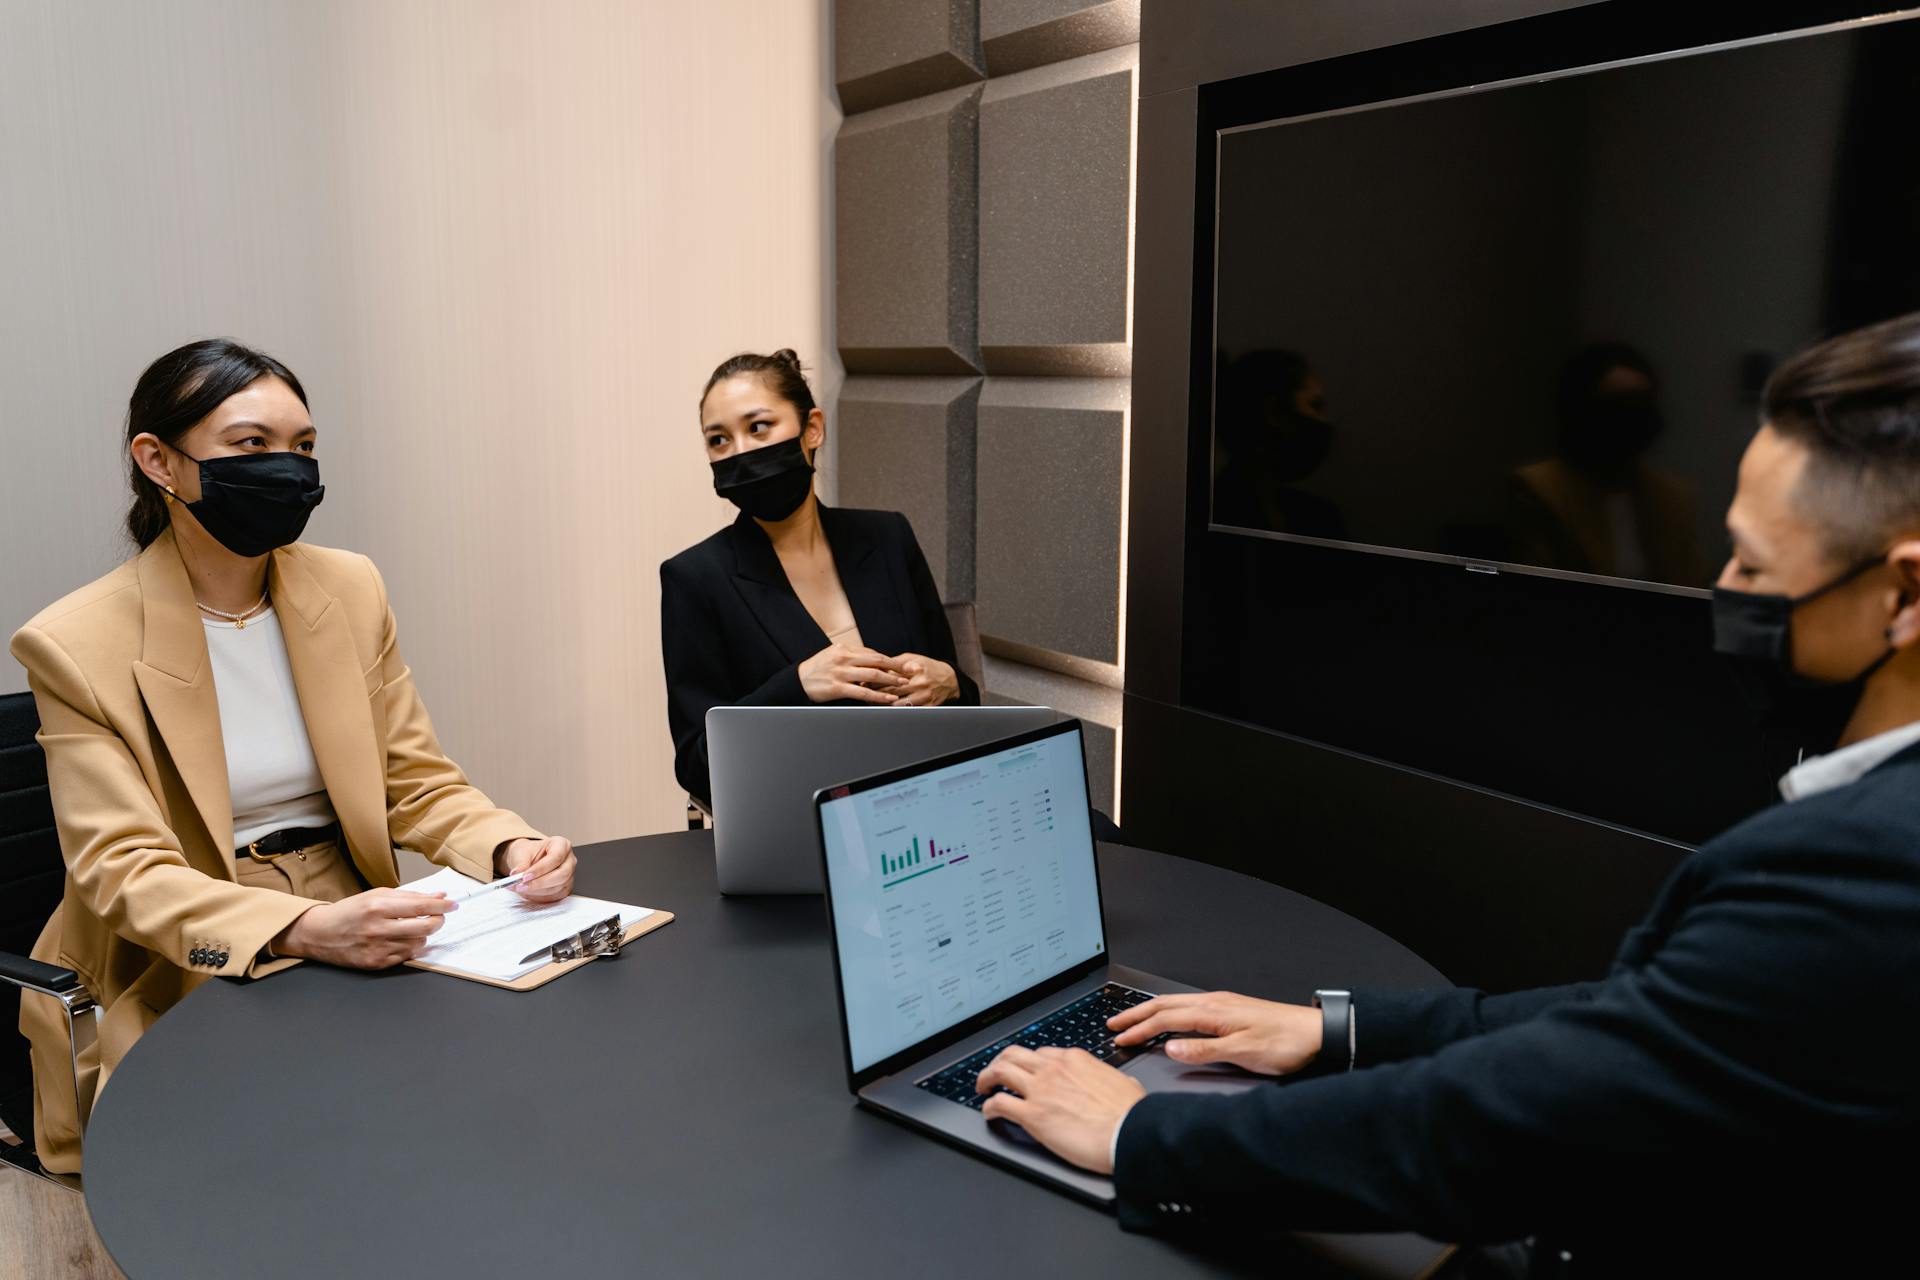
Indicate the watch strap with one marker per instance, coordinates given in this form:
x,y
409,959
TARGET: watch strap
x,y
1336,1027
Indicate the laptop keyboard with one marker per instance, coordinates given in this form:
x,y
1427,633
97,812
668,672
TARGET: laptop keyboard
x,y
1080,1025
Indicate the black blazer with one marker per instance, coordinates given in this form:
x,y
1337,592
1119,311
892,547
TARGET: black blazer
x,y
733,633
1743,1083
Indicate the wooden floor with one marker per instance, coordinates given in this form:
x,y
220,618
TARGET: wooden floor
x,y
45,1233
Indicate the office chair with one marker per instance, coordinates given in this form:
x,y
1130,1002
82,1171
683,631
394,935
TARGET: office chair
x,y
963,621
32,876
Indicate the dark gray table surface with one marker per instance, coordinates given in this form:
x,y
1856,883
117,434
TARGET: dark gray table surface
x,y
681,1110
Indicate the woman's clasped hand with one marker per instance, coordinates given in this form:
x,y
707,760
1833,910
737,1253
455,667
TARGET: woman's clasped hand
x,y
855,673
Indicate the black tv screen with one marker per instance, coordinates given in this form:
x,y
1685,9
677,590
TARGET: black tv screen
x,y
1524,325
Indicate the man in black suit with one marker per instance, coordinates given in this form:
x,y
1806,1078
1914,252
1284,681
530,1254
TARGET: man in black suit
x,y
1739,1087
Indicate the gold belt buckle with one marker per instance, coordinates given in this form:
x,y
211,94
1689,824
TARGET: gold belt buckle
x,y
253,851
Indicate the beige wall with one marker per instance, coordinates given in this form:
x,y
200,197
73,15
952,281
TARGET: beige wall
x,y
502,242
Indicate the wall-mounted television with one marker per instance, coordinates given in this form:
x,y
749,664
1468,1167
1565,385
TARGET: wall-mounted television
x,y
1502,300
1522,325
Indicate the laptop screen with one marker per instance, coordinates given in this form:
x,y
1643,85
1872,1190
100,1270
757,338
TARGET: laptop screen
x,y
958,888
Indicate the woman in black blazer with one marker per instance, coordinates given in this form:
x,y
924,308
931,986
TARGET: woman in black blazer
x,y
794,602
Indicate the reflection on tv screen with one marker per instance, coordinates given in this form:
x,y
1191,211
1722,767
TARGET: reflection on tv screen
x,y
1528,325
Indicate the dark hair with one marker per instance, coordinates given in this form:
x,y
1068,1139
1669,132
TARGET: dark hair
x,y
1853,402
175,393
781,371
1585,369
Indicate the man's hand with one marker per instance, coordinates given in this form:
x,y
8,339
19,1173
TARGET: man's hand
x,y
1070,1101
548,863
929,681
1257,1035
373,930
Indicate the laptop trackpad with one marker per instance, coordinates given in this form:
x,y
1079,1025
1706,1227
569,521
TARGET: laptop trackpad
x,y
1162,1074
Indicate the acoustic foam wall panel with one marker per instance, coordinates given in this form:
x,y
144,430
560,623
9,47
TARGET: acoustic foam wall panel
x,y
1095,706
890,50
1018,34
1047,523
1056,149
906,238
907,445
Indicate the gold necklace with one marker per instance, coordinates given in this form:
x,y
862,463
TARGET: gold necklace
x,y
239,620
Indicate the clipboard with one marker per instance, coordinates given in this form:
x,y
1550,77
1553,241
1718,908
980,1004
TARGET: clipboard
x,y
552,969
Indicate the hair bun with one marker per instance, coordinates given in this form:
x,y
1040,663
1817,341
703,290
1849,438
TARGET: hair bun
x,y
780,371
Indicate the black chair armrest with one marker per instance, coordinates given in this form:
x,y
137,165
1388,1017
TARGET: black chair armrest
x,y
47,979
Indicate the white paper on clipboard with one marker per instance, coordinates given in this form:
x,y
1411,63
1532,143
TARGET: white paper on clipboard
x,y
488,935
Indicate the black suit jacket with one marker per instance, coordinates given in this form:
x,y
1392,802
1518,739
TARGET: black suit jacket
x,y
1741,1084
733,633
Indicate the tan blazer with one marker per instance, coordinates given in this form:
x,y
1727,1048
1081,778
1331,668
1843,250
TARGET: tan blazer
x,y
1561,521
138,773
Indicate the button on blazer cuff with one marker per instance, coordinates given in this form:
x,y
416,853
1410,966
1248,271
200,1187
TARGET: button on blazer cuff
x,y
243,954
1147,1166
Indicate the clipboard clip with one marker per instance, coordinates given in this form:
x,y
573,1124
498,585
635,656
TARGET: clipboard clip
x,y
600,941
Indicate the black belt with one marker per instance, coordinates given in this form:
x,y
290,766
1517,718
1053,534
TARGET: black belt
x,y
287,840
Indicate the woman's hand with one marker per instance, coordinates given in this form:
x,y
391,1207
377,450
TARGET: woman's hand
x,y
929,682
373,930
1258,1035
548,863
838,672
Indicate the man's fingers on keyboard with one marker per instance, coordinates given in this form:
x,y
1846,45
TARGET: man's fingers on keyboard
x,y
1179,1018
1004,1106
1006,1071
1146,1009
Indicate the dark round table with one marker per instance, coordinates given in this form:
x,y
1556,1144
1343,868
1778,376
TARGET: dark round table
x,y
681,1110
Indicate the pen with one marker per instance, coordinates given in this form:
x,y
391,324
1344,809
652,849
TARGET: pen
x,y
505,882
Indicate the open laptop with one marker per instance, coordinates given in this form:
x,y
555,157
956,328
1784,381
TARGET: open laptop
x,y
964,900
766,762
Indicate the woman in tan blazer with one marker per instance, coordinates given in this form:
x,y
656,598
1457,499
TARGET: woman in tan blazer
x,y
234,745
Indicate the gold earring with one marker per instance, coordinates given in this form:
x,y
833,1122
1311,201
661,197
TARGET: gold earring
x,y
171,495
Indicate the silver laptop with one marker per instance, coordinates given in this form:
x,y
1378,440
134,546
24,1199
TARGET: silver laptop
x,y
765,763
964,899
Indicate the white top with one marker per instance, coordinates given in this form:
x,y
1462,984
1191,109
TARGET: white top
x,y
1623,533
272,775
1847,765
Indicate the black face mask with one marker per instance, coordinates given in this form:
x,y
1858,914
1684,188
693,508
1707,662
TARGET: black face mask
x,y
768,483
1756,633
254,502
1290,445
1610,431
